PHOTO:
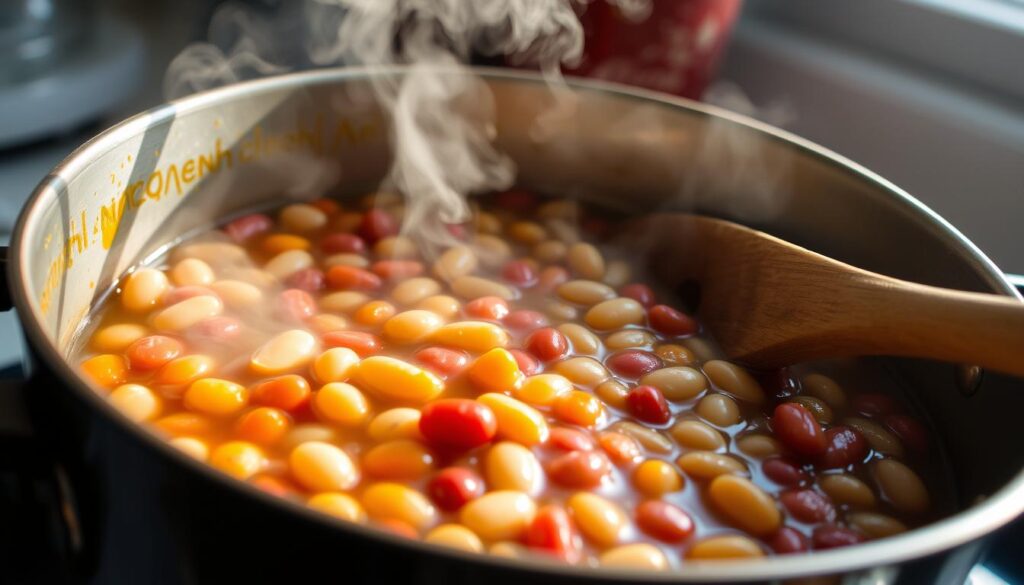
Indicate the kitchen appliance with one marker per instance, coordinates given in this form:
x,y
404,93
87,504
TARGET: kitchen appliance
x,y
177,169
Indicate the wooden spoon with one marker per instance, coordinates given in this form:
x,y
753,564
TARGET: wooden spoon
x,y
770,303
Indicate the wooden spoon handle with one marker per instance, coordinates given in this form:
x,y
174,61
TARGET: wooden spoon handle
x,y
904,318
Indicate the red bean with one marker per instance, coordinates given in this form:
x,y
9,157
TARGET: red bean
x,y
352,278
668,321
516,200
295,305
342,244
397,269
798,430
569,440
789,541
491,308
248,226
579,469
633,363
215,330
187,292
648,404
457,422
377,224
552,531
443,361
308,279
360,342
453,487
808,506
778,383
873,405
519,273
547,344
664,521
784,472
149,353
845,446
552,276
526,362
826,537
640,293
909,430
525,320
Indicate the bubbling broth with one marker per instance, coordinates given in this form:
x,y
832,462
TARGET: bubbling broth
x,y
526,391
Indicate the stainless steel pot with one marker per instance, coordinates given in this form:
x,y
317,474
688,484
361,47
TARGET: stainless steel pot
x,y
155,178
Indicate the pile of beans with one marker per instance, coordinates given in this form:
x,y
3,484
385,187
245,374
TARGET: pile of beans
x,y
517,392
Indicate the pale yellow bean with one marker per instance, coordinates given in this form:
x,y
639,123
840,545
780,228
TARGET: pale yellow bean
x,y
456,536
845,489
745,504
628,338
613,393
412,326
516,420
308,432
397,423
707,465
322,467
677,383
550,252
725,547
254,276
115,338
237,294
527,232
346,259
213,253
187,313
901,487
403,460
192,447
511,466
499,515
600,520
284,352
817,407
143,289
346,301
487,223
455,262
287,263
338,505
397,380
326,322
583,341
475,336
414,290
559,311
474,287
649,438
693,434
618,273
719,410
443,305
300,217
135,401
826,389
396,248
875,525
877,437
584,371
492,251
700,348
635,556
393,501
758,446
734,380
563,231
615,314
192,271
335,365
543,389
585,260
341,403
586,292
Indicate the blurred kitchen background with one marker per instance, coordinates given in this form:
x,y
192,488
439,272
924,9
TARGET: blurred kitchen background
x,y
929,93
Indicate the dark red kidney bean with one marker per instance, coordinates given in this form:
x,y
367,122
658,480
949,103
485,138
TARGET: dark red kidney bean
x,y
909,430
579,469
397,269
566,439
808,506
648,404
527,363
668,321
295,305
377,224
443,361
360,342
248,226
516,200
342,244
519,273
457,230
491,308
778,383
788,541
640,293
552,532
844,446
552,276
453,487
215,330
784,472
308,279
798,429
457,422
547,344
664,521
633,363
525,320
830,536
187,292
873,405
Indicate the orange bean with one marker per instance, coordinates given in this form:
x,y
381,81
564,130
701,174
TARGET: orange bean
x,y
106,370
277,243
495,371
289,392
375,313
579,408
399,460
264,426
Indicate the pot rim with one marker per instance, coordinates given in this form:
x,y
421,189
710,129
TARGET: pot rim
x,y
967,525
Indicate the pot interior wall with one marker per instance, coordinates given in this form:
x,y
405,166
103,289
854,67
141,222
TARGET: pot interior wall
x,y
171,173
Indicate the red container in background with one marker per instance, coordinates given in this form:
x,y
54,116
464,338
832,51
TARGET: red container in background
x,y
673,46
